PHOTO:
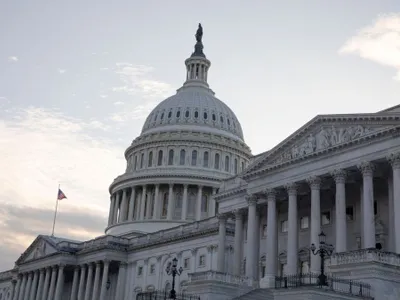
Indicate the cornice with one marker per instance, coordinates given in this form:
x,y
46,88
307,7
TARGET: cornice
x,y
375,136
229,193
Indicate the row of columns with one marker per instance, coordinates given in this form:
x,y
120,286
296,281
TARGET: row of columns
x,y
339,176
128,207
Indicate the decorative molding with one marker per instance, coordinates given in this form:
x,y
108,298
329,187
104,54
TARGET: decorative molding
x,y
394,160
366,168
251,200
314,182
292,188
339,175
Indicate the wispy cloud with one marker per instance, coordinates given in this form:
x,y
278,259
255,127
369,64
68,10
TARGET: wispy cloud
x,y
103,96
56,149
13,59
379,42
137,80
61,71
134,113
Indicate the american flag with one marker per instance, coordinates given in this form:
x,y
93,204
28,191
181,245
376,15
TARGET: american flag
x,y
61,195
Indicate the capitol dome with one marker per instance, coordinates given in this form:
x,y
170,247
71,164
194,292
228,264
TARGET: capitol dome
x,y
189,143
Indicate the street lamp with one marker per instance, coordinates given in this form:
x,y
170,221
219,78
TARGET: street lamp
x,y
325,250
173,270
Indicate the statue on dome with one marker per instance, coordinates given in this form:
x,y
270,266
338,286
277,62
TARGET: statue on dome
x,y
199,34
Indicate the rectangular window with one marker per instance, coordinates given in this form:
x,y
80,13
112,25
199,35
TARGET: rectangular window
x,y
304,222
140,271
142,160
186,263
284,226
349,213
264,231
375,208
152,268
202,260
326,218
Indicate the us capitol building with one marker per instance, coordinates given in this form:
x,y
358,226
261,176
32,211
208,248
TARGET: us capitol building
x,y
239,226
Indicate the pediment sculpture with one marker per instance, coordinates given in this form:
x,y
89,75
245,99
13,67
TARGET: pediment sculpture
x,y
326,137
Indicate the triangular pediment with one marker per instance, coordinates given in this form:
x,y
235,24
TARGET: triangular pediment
x,y
325,132
41,247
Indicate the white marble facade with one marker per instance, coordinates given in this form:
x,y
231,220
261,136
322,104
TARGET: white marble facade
x,y
192,190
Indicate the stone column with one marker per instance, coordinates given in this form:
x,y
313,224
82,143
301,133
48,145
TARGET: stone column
x,y
89,282
292,243
148,206
145,270
131,204
271,241
121,281
221,243
251,238
33,291
157,202
124,202
60,282
28,286
110,212
394,183
104,280
257,245
367,170
170,212
96,281
238,243
46,284
117,197
39,292
12,289
185,202
194,257
340,204
17,288
22,288
198,205
50,296
315,186
142,202
211,207
74,289
82,281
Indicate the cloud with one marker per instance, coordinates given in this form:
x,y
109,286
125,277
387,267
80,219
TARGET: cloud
x,y
136,113
61,71
379,42
103,96
118,103
41,148
137,80
13,59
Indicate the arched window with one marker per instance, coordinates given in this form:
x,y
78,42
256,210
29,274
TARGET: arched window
x,y
170,115
171,157
178,113
196,114
150,160
182,157
204,203
205,116
187,114
227,163
205,159
242,165
214,117
216,161
135,165
142,160
236,166
194,157
164,205
160,157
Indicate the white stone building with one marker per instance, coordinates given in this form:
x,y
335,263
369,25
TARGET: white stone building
x,y
193,191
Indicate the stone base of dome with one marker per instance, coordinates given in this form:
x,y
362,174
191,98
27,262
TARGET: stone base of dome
x,y
137,228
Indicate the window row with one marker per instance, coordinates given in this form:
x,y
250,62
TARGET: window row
x,y
194,160
162,116
201,262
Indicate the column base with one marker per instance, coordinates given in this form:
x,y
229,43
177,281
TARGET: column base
x,y
268,281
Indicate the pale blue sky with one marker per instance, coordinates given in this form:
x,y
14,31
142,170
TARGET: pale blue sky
x,y
77,80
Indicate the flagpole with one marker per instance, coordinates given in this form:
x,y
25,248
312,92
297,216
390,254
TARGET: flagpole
x,y
55,212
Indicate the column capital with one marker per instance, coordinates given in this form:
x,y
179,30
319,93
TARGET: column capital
x,y
42,270
292,188
98,263
185,185
77,268
199,186
221,217
171,185
314,182
214,191
144,186
61,265
271,194
394,160
251,199
237,213
367,168
106,261
339,175
122,264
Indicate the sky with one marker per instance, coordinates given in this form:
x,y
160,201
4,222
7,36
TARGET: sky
x,y
78,78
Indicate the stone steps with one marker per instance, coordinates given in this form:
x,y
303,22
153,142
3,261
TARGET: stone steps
x,y
257,294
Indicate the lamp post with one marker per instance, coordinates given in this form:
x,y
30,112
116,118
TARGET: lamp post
x,y
324,250
173,270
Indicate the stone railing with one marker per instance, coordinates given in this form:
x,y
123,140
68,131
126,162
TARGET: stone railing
x,y
363,256
220,277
